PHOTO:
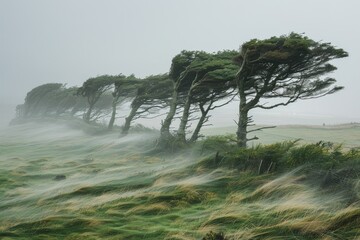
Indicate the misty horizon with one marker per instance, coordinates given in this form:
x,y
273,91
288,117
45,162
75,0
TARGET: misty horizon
x,y
69,42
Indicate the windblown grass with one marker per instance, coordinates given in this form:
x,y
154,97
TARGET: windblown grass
x,y
114,189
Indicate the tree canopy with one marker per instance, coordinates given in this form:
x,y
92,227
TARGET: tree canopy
x,y
92,89
263,74
197,75
286,69
152,94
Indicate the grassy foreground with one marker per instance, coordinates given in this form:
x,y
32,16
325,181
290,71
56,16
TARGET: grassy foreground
x,y
60,183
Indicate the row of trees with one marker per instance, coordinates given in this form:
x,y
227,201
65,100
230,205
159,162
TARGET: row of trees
x,y
283,69
99,98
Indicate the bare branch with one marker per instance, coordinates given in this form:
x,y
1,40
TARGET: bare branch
x,y
261,128
221,105
237,124
253,138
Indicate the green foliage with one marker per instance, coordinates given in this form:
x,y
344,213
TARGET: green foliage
x,y
179,64
201,79
51,99
125,87
208,69
286,68
223,143
36,100
282,156
92,87
278,62
228,154
153,92
322,154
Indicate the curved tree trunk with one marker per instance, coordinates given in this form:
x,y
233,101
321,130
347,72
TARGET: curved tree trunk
x,y
88,114
241,132
128,120
181,135
113,115
196,132
165,127
201,122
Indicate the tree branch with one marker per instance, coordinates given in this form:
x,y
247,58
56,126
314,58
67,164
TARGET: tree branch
x,y
261,128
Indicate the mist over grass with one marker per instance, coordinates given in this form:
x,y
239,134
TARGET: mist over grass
x,y
7,113
72,181
348,135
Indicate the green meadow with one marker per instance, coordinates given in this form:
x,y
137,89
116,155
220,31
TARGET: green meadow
x,y
60,181
346,134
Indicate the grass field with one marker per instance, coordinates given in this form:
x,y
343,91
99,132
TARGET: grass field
x,y
56,182
346,134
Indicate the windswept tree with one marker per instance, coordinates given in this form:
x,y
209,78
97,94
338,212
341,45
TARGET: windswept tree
x,y
199,78
92,89
69,103
124,89
36,101
52,99
102,108
283,69
179,64
80,105
152,94
208,78
209,99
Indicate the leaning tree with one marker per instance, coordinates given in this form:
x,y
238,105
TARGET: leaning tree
x,y
283,69
92,89
124,89
208,98
51,99
199,78
152,94
37,100
209,78
180,86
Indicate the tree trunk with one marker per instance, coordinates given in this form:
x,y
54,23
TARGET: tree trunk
x,y
241,132
88,114
113,115
181,135
128,120
165,127
201,121
199,125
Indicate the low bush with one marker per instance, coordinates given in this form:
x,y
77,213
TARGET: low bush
x,y
281,156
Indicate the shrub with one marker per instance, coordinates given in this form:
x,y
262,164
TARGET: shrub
x,y
324,155
279,156
223,143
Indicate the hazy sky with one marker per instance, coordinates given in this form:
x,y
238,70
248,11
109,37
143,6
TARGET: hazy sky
x,y
68,41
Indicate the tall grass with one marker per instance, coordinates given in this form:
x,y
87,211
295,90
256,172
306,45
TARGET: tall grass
x,y
113,188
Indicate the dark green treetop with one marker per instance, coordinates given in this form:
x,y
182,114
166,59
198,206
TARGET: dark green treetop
x,y
285,69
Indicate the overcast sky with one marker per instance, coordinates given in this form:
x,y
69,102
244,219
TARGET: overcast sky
x,y
68,41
